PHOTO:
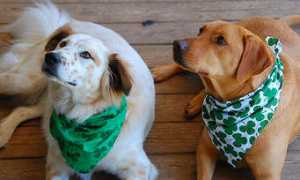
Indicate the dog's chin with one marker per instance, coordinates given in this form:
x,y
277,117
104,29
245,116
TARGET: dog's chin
x,y
189,68
54,77
185,66
57,80
63,83
181,63
203,73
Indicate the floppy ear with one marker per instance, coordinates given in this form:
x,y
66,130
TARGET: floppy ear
x,y
255,58
57,36
119,79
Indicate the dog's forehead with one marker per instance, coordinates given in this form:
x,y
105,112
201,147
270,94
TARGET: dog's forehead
x,y
227,29
221,27
81,38
86,42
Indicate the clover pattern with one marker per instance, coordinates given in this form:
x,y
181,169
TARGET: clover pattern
x,y
84,145
234,125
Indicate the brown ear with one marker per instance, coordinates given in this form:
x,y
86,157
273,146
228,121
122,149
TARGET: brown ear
x,y
119,80
255,58
57,36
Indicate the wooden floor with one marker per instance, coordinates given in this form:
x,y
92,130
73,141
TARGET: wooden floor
x,y
172,142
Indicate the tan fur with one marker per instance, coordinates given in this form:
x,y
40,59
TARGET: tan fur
x,y
20,91
219,67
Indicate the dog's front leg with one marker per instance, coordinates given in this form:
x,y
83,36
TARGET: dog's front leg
x,y
85,176
137,166
194,107
267,161
20,84
56,169
207,155
165,72
20,114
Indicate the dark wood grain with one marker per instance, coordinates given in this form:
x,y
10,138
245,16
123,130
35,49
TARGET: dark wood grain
x,y
165,11
172,141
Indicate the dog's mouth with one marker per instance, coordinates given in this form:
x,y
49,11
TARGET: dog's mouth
x,y
185,66
52,75
202,73
72,83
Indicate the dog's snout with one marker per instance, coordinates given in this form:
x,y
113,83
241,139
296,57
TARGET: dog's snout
x,y
51,63
52,58
178,49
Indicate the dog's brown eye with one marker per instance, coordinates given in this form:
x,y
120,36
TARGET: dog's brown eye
x,y
220,40
85,55
63,44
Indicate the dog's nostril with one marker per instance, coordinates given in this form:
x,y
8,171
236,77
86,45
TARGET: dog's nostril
x,y
183,44
180,45
52,58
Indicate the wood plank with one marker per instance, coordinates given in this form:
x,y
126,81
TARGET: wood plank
x,y
108,1
98,1
292,165
172,104
29,142
160,34
192,11
180,84
175,167
25,169
157,33
164,138
173,138
164,105
156,55
111,1
26,142
171,167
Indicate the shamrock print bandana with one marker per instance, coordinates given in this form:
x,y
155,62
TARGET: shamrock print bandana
x,y
233,126
84,145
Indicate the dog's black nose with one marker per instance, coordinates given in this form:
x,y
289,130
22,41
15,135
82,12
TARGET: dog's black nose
x,y
51,63
52,59
179,47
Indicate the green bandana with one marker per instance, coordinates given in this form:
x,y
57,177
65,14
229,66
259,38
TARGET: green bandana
x,y
84,145
233,126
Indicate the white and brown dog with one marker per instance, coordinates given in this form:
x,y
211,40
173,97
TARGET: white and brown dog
x,y
90,68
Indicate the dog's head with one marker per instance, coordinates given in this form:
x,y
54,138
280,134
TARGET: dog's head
x,y
80,61
223,50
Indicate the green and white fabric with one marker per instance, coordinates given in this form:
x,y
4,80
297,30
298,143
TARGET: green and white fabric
x,y
234,125
84,145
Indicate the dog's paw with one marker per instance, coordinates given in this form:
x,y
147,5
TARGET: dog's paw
x,y
159,74
5,135
191,110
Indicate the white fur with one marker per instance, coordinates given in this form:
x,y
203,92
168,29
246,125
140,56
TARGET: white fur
x,y
127,159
